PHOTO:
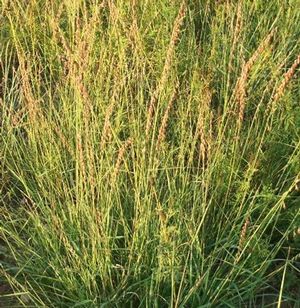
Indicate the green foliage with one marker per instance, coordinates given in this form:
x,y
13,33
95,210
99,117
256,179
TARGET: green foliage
x,y
149,153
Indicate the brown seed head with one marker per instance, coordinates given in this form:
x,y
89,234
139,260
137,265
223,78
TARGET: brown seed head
x,y
167,66
121,154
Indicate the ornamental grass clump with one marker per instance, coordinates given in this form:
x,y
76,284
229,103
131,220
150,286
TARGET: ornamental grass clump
x,y
149,153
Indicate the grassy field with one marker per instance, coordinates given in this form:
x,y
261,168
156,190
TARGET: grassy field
x,y
149,153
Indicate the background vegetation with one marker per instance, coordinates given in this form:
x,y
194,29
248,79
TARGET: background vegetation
x,y
150,153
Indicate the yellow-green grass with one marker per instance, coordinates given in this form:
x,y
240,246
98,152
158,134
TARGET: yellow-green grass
x,y
150,153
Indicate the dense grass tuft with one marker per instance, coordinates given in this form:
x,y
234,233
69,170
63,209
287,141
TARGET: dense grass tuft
x,y
149,153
